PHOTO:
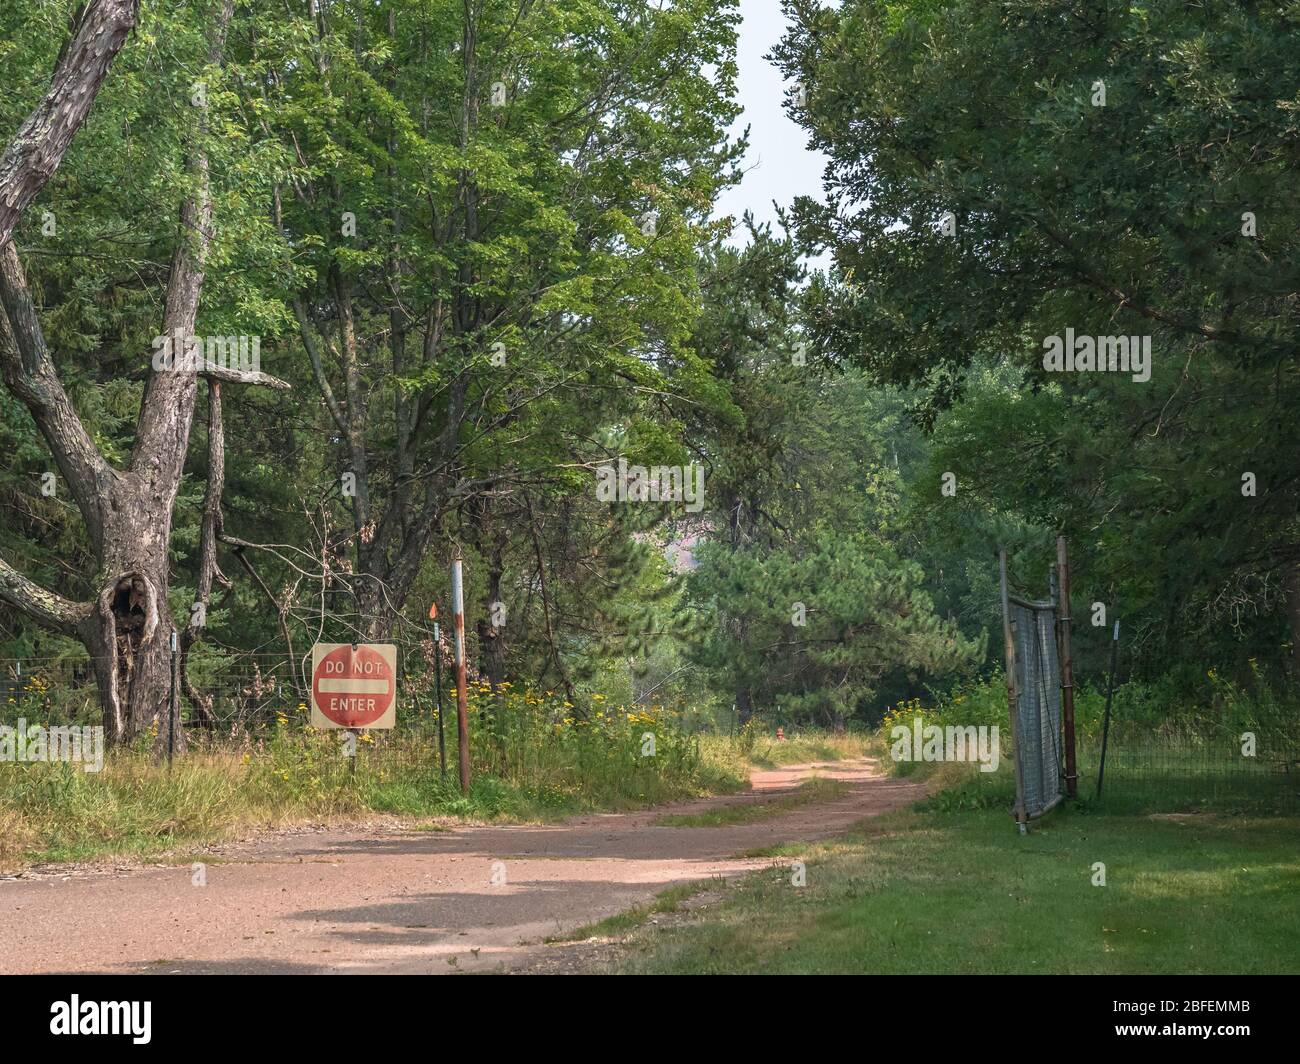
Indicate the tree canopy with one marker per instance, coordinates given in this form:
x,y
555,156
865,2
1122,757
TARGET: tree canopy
x,y
471,255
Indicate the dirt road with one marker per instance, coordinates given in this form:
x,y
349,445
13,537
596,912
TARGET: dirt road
x,y
469,899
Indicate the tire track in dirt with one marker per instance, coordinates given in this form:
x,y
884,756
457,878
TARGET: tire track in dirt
x,y
403,900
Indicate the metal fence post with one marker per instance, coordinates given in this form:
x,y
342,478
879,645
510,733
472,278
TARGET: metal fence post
x,y
1067,668
1110,690
1013,699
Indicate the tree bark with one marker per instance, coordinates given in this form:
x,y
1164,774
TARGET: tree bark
x,y
492,638
128,513
209,535
744,705
546,613
28,163
127,633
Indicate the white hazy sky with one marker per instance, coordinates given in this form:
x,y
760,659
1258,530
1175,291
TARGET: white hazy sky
x,y
779,165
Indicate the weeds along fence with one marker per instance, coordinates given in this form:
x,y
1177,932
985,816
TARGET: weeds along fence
x,y
1247,767
1229,744
245,690
248,699
1225,746
534,741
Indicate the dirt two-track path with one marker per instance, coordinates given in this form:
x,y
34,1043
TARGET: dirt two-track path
x,y
390,900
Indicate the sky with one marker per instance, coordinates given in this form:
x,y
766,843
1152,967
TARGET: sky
x,y
778,166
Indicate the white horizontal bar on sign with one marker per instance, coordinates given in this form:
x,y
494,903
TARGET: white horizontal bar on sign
x,y
334,685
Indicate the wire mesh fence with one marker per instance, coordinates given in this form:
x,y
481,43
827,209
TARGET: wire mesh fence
x,y
259,710
1251,767
239,691
1150,763
528,749
257,713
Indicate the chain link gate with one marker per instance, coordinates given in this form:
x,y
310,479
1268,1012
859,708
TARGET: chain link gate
x,y
1038,704
1034,700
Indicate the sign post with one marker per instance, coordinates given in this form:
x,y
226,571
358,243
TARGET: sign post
x,y
462,707
353,685
437,674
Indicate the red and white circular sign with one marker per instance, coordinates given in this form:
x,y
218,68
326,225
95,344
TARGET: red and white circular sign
x,y
354,688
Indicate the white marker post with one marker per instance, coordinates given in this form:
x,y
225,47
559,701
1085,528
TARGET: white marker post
x,y
462,708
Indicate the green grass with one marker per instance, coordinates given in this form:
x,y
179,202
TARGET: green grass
x,y
962,892
813,790
1202,870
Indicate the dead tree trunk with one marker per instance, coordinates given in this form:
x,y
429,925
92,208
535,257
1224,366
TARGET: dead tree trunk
x,y
209,571
127,634
491,636
98,32
128,512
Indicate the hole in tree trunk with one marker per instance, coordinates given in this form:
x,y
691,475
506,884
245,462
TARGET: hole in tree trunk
x,y
128,608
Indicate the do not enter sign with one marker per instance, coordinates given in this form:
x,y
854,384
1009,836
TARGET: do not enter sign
x,y
353,686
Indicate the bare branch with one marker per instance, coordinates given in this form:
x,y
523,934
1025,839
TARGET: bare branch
x,y
29,372
44,607
39,146
313,353
239,376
